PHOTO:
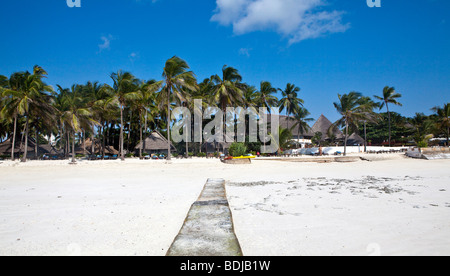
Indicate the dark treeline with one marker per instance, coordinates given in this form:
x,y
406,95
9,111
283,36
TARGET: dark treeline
x,y
122,114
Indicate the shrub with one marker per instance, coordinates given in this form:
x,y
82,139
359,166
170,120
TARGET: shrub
x,y
238,149
422,144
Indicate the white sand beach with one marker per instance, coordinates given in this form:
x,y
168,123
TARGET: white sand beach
x,y
399,206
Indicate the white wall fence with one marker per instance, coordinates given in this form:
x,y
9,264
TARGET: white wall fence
x,y
350,149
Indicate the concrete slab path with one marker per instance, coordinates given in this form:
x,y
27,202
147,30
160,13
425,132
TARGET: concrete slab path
x,y
208,228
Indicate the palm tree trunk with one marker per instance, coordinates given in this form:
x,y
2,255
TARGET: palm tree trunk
x,y
129,131
187,148
122,156
68,144
35,143
14,139
288,119
140,139
264,131
168,123
92,140
224,124
345,138
389,119
103,140
145,129
448,134
73,148
365,137
84,142
25,152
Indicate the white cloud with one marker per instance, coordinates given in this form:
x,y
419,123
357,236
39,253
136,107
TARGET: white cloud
x,y
106,42
133,56
296,20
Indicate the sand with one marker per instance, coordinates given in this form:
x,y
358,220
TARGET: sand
x,y
394,206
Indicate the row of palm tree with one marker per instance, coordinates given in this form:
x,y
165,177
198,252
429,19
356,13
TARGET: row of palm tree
x,y
28,103
356,109
84,109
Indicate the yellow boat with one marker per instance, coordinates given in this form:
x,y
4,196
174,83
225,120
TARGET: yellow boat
x,y
244,157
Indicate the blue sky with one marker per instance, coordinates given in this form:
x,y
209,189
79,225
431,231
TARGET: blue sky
x,y
324,47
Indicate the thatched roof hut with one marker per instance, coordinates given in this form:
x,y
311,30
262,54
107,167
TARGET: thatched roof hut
x,y
290,122
154,143
217,146
109,150
6,146
355,139
323,125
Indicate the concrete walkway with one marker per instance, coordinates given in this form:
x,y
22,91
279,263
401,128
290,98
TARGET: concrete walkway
x,y
208,228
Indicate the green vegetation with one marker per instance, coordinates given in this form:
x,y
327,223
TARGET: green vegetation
x,y
238,149
122,114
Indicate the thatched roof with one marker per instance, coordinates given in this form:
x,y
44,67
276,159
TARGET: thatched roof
x,y
219,145
97,148
323,125
5,147
355,139
155,141
285,122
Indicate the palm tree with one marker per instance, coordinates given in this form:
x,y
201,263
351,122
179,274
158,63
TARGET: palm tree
x,y
104,108
9,111
301,120
76,115
351,111
423,127
61,106
204,93
14,102
227,90
250,96
3,82
145,105
3,119
285,136
389,97
27,96
123,90
265,96
443,119
290,100
177,80
370,116
96,96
